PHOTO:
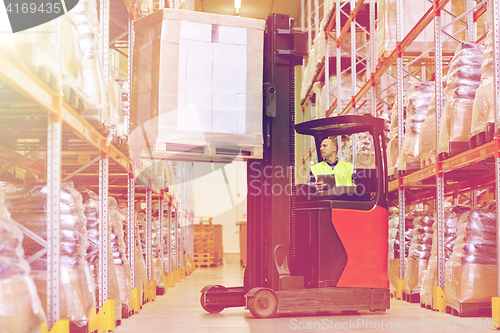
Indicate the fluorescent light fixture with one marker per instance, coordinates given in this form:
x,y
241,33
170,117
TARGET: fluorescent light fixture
x,y
237,4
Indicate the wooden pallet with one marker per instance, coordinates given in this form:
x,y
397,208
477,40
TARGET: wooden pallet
x,y
424,163
455,148
483,137
471,310
411,298
74,99
410,167
204,260
426,306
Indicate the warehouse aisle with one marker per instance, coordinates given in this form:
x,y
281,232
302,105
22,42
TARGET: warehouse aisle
x,y
179,310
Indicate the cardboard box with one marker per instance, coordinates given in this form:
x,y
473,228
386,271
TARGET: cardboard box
x,y
197,80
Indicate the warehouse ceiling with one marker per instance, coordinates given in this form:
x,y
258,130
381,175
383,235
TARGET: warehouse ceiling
x,y
259,9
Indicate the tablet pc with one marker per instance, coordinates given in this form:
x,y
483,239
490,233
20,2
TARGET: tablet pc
x,y
328,179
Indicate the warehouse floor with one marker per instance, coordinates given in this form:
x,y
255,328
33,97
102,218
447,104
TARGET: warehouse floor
x,y
179,310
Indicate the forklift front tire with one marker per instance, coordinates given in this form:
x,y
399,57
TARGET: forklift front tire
x,y
263,303
209,307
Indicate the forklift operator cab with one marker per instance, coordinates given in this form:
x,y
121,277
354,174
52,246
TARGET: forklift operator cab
x,y
344,229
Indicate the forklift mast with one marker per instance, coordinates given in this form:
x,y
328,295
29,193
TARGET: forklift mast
x,y
270,212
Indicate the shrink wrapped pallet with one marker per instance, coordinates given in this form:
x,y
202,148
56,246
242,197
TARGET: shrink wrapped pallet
x,y
451,218
471,272
464,77
95,87
91,202
483,111
115,109
72,78
197,79
418,96
20,307
121,262
28,206
393,145
419,253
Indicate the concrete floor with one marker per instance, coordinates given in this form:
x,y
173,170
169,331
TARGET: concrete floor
x,y
179,310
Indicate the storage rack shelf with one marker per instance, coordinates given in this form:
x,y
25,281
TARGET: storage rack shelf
x,y
28,103
460,177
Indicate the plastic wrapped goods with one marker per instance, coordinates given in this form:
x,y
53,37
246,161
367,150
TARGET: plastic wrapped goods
x,y
20,307
72,61
91,202
213,92
117,240
451,218
28,206
471,272
95,87
483,111
464,78
419,96
393,145
419,253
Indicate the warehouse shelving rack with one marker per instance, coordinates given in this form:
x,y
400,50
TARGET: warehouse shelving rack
x,y
73,148
460,176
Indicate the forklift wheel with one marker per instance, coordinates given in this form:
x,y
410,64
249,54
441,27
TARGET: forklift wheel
x,y
208,307
263,304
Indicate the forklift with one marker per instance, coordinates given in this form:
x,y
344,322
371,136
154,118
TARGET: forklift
x,y
308,250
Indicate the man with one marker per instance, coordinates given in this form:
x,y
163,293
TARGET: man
x,y
331,164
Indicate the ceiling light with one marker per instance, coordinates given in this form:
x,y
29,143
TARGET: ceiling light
x,y
237,4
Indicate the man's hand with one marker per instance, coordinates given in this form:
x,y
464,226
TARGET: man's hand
x,y
320,186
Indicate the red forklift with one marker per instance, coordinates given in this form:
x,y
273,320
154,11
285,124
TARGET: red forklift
x,y
310,251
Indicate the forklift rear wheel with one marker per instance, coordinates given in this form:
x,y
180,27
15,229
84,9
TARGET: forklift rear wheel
x,y
209,307
263,304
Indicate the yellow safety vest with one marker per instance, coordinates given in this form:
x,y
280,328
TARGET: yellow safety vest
x,y
343,172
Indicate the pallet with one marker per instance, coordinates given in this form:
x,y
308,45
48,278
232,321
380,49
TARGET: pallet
x,y
47,76
424,163
160,291
426,306
471,310
74,99
126,313
73,328
483,137
455,148
410,168
411,298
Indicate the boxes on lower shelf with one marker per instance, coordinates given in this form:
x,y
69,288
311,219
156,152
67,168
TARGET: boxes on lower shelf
x,y
207,244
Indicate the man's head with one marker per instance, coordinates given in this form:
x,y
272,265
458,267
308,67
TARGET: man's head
x,y
329,149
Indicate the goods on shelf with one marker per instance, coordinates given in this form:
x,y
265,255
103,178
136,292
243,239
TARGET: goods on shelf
x,y
483,111
464,77
393,145
115,112
95,87
471,272
21,309
419,252
156,247
418,95
451,218
412,12
91,203
28,206
393,268
213,92
39,49
72,78
117,241
207,243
